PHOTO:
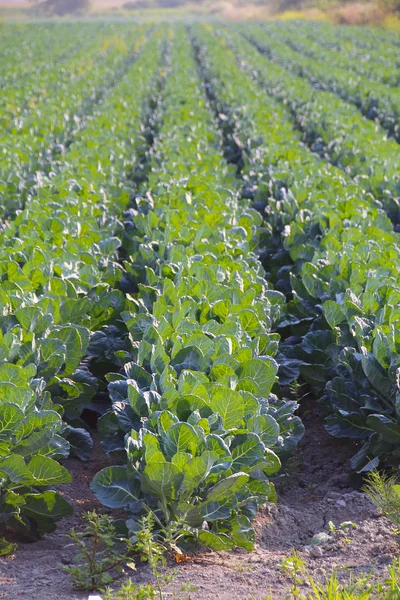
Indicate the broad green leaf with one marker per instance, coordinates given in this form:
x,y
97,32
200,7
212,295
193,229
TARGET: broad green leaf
x,y
333,313
10,415
15,468
45,509
46,471
261,372
229,405
161,480
190,358
228,487
266,428
218,510
115,487
180,437
247,450
215,541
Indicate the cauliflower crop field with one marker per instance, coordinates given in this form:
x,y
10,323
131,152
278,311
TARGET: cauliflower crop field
x,y
199,278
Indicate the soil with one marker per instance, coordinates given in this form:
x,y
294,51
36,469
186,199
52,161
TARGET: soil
x,y
316,488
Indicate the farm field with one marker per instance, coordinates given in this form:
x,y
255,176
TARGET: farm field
x,y
200,306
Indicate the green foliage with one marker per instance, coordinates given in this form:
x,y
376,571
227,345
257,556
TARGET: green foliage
x,y
193,407
363,587
384,492
171,310
101,555
338,250
60,266
26,503
130,591
6,548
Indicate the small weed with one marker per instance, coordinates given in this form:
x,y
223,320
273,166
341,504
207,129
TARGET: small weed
x,y
344,526
356,588
131,591
102,553
152,551
392,582
342,530
294,568
242,568
384,492
296,390
188,587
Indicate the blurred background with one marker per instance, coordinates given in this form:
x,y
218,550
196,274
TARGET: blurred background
x,y
382,13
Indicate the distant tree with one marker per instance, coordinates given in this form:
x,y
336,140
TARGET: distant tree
x,y
62,7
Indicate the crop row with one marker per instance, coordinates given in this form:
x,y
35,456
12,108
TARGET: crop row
x,y
337,261
57,107
379,61
172,228
28,82
193,405
332,127
374,65
59,273
375,101
22,48
379,40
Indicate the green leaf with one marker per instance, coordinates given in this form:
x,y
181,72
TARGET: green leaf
x,y
261,372
196,470
74,346
47,471
229,405
6,548
376,374
387,428
45,509
161,480
333,313
228,487
137,400
115,487
15,468
218,510
52,353
247,450
266,428
80,442
215,541
10,415
242,533
180,437
190,358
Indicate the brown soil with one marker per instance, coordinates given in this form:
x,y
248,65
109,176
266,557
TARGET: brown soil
x,y
317,488
32,573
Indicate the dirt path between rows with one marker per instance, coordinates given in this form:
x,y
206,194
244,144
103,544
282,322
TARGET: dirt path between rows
x,y
316,488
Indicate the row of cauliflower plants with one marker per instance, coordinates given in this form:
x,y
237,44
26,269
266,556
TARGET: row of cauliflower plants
x,y
331,249
375,100
193,409
59,274
42,112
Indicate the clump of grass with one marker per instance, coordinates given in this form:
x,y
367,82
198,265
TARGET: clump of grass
x,y
384,492
362,587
